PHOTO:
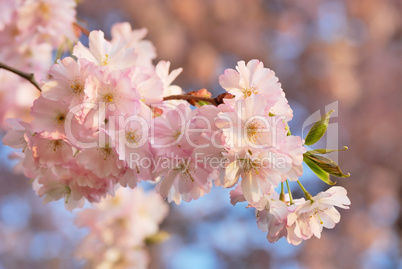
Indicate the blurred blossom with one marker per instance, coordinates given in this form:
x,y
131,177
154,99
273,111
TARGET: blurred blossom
x,y
29,32
119,228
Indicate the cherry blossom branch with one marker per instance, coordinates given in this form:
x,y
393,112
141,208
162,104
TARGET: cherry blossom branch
x,y
28,76
188,97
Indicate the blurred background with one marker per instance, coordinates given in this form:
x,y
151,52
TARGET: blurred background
x,y
323,52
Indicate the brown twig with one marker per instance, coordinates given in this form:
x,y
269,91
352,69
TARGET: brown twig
x,y
214,101
28,76
189,97
81,28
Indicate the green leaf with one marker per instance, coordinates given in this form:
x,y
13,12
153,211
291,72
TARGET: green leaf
x,y
326,151
321,174
157,238
203,103
318,130
325,164
288,129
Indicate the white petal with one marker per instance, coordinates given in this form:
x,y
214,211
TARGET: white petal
x,y
251,188
167,183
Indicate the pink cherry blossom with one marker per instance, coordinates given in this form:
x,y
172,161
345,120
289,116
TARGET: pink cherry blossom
x,y
184,179
147,84
8,7
102,159
68,82
49,117
104,53
251,79
73,184
258,148
170,132
134,39
112,93
312,216
48,18
292,147
15,137
56,190
247,125
274,220
258,176
131,139
186,173
101,123
162,70
50,152
15,103
118,228
273,216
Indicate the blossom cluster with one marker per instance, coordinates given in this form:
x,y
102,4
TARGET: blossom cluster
x,y
29,33
104,120
119,229
74,146
301,219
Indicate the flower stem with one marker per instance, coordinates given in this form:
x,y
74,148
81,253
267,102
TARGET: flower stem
x,y
306,193
282,195
59,52
290,192
28,76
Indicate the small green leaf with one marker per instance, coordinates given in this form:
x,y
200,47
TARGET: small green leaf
x,y
326,151
203,103
321,174
288,129
157,238
318,130
326,164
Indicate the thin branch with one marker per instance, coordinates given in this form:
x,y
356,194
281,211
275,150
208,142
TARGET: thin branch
x,y
28,76
190,97
81,28
214,101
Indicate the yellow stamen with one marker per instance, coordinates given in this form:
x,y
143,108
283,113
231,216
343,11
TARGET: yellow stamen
x,y
105,61
106,152
132,137
317,213
56,144
253,130
249,91
60,118
76,87
251,167
44,11
108,98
